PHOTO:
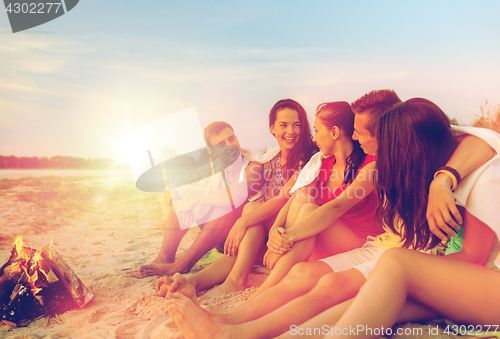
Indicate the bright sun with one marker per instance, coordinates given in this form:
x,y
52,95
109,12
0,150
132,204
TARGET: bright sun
x,y
129,147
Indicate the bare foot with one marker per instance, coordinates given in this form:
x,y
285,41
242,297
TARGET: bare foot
x,y
228,286
164,258
180,284
193,321
158,269
162,285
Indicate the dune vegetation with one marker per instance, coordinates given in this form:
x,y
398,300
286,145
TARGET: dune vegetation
x,y
488,117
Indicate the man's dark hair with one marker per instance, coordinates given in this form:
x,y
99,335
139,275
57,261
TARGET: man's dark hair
x,y
214,129
375,103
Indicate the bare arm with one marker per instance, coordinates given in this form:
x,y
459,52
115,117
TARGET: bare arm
x,y
477,242
442,213
327,214
269,209
281,218
282,244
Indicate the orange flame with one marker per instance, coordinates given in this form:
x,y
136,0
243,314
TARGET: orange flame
x,y
35,274
21,253
34,278
50,248
19,244
21,256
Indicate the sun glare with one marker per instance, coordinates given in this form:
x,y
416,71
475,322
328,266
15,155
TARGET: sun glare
x,y
128,147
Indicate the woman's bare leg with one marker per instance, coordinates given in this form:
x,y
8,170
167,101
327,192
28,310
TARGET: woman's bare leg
x,y
212,275
219,270
249,249
458,290
300,280
301,250
322,320
250,246
338,238
330,290
412,311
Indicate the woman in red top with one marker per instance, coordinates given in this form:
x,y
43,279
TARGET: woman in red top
x,y
340,171
360,218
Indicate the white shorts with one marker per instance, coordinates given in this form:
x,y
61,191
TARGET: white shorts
x,y
363,259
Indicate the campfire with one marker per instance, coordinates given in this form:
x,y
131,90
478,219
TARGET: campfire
x,y
36,284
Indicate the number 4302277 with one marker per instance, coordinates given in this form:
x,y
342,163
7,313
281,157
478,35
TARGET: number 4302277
x,y
33,8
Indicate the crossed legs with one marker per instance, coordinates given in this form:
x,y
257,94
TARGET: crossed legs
x,y
301,206
337,238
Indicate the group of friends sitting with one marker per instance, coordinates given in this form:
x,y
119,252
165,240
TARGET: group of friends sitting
x,y
346,230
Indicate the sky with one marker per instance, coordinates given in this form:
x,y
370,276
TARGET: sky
x,y
79,84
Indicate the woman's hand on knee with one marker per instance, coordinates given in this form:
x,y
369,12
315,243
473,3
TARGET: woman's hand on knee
x,y
270,259
277,242
234,238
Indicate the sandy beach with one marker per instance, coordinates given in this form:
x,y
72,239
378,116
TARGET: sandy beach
x,y
104,228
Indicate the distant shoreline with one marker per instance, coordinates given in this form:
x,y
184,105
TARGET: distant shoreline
x,y
59,162
16,173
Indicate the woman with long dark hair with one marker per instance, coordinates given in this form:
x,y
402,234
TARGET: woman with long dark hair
x,y
293,134
288,123
415,141
327,176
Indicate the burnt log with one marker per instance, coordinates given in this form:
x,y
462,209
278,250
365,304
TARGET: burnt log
x,y
80,294
11,272
23,306
36,284
56,299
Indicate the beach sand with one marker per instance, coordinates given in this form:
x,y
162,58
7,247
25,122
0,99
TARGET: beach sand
x,y
104,228
103,236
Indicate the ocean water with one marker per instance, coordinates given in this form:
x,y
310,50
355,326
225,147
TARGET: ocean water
x,y
21,173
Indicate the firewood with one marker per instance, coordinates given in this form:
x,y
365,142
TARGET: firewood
x,y
10,273
65,274
23,306
37,284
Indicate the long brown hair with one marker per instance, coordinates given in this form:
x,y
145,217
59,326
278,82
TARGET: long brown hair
x,y
415,139
340,114
305,147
